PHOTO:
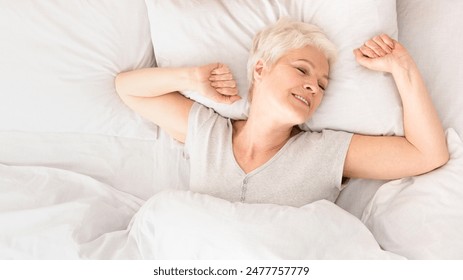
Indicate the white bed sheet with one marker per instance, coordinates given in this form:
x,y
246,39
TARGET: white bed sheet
x,y
138,167
430,29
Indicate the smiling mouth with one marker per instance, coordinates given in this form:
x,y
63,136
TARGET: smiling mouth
x,y
302,99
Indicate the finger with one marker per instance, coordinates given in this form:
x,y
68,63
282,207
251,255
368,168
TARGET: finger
x,y
210,67
366,51
361,58
224,84
388,40
221,77
383,45
227,91
374,47
358,54
220,69
233,98
227,99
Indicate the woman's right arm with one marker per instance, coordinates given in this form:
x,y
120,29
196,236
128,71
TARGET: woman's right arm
x,y
154,93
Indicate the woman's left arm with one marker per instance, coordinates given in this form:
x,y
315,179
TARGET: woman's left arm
x,y
423,147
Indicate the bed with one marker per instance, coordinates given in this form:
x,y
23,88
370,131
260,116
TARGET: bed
x,y
83,177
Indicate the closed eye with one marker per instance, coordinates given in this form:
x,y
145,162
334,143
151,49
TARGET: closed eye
x,y
302,70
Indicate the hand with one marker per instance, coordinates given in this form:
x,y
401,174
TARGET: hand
x,y
216,82
382,53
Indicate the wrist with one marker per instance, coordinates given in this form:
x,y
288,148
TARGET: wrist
x,y
404,64
189,79
408,79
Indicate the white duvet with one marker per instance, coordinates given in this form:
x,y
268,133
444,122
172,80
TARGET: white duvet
x,y
48,213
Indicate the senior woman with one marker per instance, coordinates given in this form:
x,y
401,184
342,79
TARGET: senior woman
x,y
267,158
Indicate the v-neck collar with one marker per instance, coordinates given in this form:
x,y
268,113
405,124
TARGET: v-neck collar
x,y
264,165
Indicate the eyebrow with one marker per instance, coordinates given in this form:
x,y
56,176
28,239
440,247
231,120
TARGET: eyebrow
x,y
313,66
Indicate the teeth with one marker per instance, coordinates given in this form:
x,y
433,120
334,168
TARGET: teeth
x,y
302,99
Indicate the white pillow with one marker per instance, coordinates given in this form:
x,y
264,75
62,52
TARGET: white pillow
x,y
431,32
188,33
186,225
58,60
422,217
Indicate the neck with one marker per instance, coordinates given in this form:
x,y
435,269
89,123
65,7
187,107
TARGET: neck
x,y
258,136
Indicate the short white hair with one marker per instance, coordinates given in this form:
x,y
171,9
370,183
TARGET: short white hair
x,y
275,40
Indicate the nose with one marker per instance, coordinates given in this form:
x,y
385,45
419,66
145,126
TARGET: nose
x,y
308,87
311,87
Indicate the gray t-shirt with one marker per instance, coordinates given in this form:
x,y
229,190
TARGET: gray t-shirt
x,y
308,167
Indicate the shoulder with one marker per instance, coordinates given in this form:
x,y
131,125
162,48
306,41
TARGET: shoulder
x,y
200,113
204,122
326,136
328,145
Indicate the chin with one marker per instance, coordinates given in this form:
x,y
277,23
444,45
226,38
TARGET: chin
x,y
303,116
306,117
298,116
301,120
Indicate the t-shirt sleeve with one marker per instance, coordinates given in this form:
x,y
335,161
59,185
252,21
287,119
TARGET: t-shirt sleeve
x,y
199,117
336,146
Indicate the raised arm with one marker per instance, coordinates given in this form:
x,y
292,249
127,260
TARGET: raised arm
x,y
423,148
154,93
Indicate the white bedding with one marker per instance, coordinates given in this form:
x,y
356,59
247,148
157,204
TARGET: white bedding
x,y
45,213
58,60
422,217
139,167
49,213
81,176
185,225
76,207
430,31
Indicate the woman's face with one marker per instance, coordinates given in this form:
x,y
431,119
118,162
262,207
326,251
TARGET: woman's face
x,y
294,85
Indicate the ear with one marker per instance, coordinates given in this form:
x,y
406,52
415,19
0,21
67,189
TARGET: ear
x,y
258,69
